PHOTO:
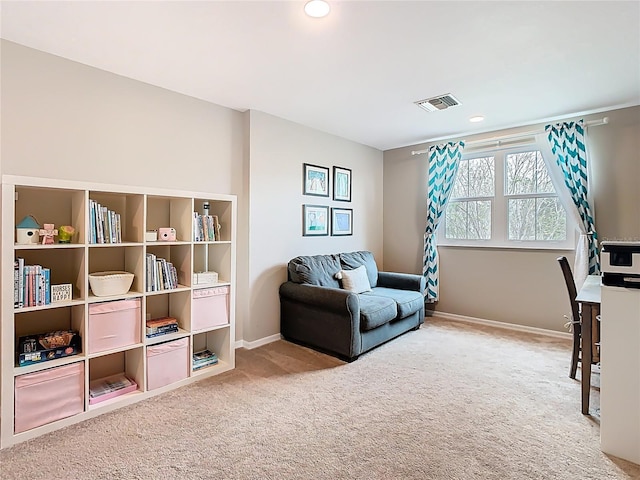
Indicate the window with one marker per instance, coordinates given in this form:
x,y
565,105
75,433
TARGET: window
x,y
505,198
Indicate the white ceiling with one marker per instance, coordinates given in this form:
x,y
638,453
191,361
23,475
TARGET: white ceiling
x,y
357,72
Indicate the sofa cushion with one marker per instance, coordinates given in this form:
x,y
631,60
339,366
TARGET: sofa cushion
x,y
315,270
376,311
353,260
355,280
409,301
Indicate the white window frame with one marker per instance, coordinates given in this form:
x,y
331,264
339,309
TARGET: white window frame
x,y
499,210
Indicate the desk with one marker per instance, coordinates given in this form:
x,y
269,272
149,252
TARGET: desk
x,y
589,297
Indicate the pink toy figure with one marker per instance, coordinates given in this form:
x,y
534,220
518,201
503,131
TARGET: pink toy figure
x,y
47,233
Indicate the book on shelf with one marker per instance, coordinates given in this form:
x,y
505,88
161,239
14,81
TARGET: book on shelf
x,y
205,228
161,274
104,224
31,285
161,326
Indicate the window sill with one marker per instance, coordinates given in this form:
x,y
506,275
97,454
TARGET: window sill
x,y
495,246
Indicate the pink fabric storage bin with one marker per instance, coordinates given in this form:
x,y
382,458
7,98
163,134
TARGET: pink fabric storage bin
x,y
114,324
210,308
167,363
48,395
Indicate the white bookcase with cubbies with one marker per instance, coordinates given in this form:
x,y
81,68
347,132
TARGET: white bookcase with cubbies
x,y
175,324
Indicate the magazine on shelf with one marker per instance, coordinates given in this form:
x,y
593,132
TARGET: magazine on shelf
x,y
204,358
109,387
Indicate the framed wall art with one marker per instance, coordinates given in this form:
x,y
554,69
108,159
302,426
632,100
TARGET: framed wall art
x,y
315,180
341,221
341,184
315,220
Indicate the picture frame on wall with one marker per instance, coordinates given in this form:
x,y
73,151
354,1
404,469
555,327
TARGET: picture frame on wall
x,y
315,220
341,184
315,180
341,221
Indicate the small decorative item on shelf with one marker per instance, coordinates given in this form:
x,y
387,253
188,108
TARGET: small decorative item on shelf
x,y
47,233
104,284
200,278
27,231
66,233
61,293
167,234
151,236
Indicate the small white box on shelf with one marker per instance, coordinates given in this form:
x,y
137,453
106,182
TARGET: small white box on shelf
x,y
61,293
151,236
202,278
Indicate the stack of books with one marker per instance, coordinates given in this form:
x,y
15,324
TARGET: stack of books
x,y
161,326
204,358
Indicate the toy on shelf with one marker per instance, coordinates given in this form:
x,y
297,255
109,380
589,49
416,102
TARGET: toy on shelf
x,y
65,233
27,230
47,233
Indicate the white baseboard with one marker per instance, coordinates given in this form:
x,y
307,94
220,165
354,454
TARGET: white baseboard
x,y
504,325
258,343
447,316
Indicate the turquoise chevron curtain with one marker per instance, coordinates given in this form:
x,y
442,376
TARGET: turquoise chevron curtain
x,y
566,141
443,167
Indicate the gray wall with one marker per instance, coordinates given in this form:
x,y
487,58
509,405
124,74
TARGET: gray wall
x,y
65,120
523,287
277,150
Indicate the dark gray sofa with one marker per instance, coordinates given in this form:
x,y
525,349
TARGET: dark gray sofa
x,y
316,312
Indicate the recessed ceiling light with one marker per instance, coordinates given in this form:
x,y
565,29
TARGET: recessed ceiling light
x,y
317,8
477,118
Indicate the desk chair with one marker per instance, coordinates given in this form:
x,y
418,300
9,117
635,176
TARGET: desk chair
x,y
574,322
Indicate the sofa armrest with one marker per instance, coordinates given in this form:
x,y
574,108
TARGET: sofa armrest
x,y
325,298
402,281
325,318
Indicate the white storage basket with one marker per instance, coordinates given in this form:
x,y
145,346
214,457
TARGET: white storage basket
x,y
104,284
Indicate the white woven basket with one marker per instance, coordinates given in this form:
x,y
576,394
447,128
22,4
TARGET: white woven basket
x,y
104,284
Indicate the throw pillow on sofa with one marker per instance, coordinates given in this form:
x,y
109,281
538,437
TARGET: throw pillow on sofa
x,y
355,280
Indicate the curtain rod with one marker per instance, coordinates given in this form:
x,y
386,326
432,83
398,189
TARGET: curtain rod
x,y
497,140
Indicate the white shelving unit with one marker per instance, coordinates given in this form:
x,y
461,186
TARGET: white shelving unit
x,y
620,372
141,209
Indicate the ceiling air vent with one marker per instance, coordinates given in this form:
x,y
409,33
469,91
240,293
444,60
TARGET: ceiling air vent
x,y
440,102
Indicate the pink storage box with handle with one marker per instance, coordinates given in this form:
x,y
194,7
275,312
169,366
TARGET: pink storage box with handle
x,y
167,363
114,324
210,308
48,395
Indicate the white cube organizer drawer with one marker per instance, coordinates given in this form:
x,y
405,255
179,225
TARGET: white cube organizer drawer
x,y
49,395
114,324
167,363
210,308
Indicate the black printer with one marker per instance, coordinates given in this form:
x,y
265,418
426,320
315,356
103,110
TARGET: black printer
x,y
620,263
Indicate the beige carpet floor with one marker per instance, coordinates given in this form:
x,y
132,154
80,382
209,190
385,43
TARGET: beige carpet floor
x,y
449,401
